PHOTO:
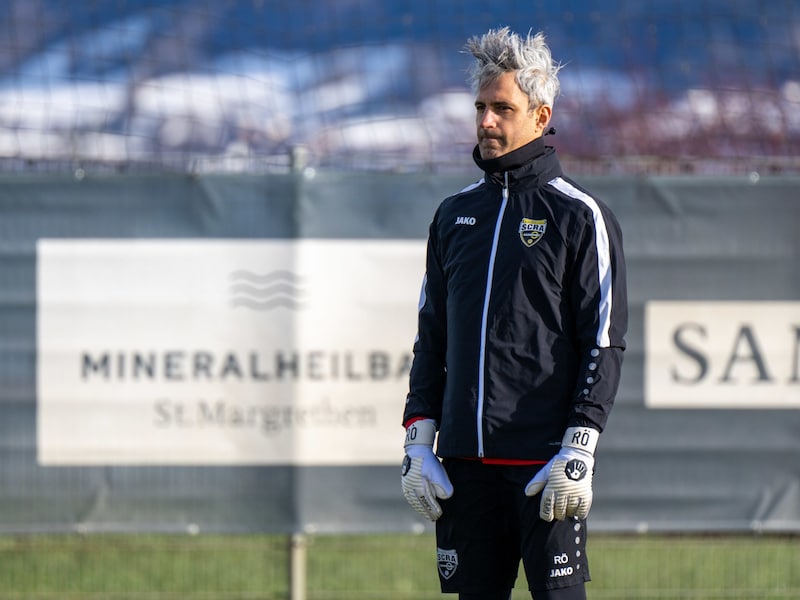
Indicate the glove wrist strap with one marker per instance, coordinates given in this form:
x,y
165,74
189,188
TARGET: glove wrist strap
x,y
421,433
582,438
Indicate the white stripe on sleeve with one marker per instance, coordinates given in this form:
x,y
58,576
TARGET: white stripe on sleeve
x,y
603,256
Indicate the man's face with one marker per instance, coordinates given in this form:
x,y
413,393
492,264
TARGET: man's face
x,y
503,118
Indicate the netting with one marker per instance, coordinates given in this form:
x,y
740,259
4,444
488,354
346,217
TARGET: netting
x,y
710,86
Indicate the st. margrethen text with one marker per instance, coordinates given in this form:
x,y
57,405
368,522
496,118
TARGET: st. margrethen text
x,y
204,365
268,419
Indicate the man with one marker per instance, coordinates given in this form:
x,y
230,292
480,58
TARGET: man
x,y
517,359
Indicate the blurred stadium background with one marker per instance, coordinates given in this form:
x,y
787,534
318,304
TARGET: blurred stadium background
x,y
704,86
655,87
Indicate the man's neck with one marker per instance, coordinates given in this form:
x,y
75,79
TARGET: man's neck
x,y
511,160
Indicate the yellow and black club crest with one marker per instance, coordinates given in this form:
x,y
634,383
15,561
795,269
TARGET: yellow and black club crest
x,y
531,230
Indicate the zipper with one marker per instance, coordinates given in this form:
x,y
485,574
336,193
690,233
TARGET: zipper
x,y
485,317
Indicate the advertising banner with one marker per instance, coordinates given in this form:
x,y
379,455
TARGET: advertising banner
x,y
224,352
722,355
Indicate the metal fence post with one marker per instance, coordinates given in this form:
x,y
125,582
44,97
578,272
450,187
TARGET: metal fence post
x,y
298,548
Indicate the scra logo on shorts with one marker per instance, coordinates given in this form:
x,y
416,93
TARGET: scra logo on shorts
x,y
448,562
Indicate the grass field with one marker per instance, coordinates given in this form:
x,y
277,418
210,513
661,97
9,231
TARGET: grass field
x,y
145,567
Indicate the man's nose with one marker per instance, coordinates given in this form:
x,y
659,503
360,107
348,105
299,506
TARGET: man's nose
x,y
487,121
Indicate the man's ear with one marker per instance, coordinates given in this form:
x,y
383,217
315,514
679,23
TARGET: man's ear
x,y
542,116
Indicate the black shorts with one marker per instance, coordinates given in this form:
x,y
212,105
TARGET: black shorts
x,y
489,524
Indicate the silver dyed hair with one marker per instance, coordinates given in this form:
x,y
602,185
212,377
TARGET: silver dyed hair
x,y
499,51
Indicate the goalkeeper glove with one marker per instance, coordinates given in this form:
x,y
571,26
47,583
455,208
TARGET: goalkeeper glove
x,y
423,476
566,481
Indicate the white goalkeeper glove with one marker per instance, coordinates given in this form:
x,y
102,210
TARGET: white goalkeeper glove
x,y
566,481
423,476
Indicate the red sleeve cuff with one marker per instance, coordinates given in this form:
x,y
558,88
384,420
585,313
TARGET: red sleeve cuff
x,y
413,420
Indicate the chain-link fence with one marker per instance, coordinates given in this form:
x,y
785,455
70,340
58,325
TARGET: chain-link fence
x,y
671,86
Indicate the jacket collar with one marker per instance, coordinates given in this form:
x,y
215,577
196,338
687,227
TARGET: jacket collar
x,y
534,159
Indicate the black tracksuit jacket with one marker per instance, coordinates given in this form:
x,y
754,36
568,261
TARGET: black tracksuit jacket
x,y
522,314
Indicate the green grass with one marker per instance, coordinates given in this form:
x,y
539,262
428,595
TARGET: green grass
x,y
400,567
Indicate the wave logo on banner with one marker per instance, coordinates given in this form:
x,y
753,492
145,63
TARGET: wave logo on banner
x,y
276,289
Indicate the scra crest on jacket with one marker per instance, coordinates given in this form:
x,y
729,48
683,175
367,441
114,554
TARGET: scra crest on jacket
x,y
531,230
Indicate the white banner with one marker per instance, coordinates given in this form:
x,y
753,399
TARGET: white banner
x,y
223,352
722,355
